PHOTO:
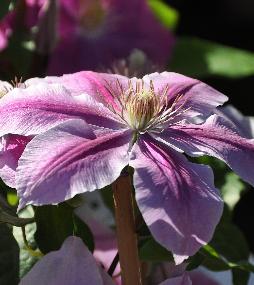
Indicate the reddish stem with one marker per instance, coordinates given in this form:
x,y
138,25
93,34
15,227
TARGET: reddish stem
x,y
126,234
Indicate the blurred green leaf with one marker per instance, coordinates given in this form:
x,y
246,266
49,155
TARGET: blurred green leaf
x,y
8,215
153,251
167,15
12,198
27,257
9,257
232,189
83,231
228,250
229,241
107,197
4,8
195,261
17,57
201,58
55,224
240,277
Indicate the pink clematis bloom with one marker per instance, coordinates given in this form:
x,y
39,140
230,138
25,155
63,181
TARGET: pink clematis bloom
x,y
95,33
92,34
84,142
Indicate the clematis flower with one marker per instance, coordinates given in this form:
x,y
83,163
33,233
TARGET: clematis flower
x,y
92,34
84,142
95,33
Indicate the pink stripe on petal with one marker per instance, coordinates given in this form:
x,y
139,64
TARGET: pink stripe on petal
x,y
68,160
197,97
37,108
215,138
177,199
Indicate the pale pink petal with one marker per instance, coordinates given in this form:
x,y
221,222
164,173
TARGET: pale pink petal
x,y
214,138
71,265
244,124
68,160
197,98
199,277
11,148
35,109
180,280
177,198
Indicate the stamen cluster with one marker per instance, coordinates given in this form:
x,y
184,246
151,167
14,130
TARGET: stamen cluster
x,y
142,108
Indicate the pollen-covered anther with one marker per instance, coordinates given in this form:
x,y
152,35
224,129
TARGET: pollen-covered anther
x,y
141,105
143,108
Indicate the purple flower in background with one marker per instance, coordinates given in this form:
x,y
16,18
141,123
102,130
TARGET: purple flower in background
x,y
73,264
91,34
89,130
95,33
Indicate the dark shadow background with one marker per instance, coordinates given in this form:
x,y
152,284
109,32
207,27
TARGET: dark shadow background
x,y
229,22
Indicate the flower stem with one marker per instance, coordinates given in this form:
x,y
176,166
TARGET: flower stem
x,y
126,233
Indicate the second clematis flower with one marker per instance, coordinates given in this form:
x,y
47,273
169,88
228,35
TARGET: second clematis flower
x,y
83,142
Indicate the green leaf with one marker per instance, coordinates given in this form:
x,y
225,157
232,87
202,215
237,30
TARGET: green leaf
x,y
8,215
153,251
4,8
240,277
167,15
229,241
232,189
228,250
83,231
55,224
195,261
27,257
9,257
201,58
12,198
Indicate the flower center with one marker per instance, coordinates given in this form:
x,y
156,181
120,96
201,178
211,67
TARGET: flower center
x,y
143,109
138,105
141,106
92,15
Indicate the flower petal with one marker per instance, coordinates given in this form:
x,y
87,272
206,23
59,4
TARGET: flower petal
x,y
71,265
180,280
244,124
215,138
37,108
67,160
11,148
177,199
197,97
